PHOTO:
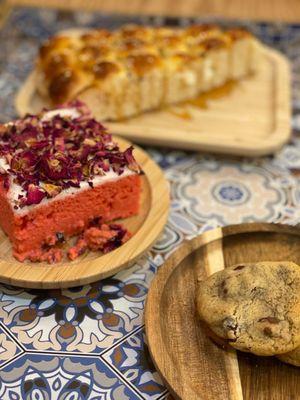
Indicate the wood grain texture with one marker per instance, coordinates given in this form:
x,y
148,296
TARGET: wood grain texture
x,y
145,227
269,10
190,364
214,262
252,120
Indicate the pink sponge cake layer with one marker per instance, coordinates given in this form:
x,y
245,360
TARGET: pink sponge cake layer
x,y
110,201
42,200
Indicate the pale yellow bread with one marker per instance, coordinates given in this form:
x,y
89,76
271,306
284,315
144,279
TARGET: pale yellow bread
x,y
135,69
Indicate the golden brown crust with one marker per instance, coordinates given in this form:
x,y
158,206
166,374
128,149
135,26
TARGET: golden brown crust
x,y
143,63
254,307
67,64
238,33
214,43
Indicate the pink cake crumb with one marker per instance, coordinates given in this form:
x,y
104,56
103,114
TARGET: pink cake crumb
x,y
105,238
96,237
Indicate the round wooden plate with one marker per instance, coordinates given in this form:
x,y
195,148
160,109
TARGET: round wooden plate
x,y
190,364
145,227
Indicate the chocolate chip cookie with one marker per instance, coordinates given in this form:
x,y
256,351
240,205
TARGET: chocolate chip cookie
x,y
293,357
254,307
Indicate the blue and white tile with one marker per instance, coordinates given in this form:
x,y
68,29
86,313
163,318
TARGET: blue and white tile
x,y
132,360
230,193
43,377
9,348
83,319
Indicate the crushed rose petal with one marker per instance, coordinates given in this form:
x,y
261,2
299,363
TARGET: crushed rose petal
x,y
104,237
46,156
97,236
34,195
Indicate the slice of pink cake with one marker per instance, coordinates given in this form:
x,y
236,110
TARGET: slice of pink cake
x,y
59,170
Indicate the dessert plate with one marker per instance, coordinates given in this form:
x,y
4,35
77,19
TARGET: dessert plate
x,y
250,118
145,229
190,364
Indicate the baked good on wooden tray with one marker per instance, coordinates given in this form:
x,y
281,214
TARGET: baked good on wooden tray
x,y
134,69
254,308
61,174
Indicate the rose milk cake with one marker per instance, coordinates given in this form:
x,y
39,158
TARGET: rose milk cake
x,y
60,170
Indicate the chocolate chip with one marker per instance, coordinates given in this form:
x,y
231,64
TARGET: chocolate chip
x,y
229,323
223,290
239,267
268,331
230,327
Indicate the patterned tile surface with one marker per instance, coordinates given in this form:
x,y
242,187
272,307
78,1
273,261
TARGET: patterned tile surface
x,y
89,342
83,319
44,377
132,360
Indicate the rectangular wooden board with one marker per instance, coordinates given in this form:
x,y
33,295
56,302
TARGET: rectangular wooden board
x,y
251,119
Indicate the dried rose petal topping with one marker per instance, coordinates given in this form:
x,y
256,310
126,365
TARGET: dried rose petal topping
x,y
34,195
60,152
4,177
50,189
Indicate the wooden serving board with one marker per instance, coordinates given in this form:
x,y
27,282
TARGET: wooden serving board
x,y
191,365
145,227
251,118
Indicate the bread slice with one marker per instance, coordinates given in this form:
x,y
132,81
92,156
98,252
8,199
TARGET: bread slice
x,y
136,68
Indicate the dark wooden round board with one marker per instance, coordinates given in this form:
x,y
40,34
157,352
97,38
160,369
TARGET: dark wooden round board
x,y
191,365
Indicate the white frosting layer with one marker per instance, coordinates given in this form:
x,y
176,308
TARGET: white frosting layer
x,y
63,112
3,165
15,189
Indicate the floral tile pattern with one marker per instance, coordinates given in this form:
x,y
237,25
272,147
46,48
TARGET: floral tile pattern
x,y
61,378
89,342
229,192
81,319
131,358
9,348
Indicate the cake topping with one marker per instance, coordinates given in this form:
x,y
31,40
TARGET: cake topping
x,y
58,149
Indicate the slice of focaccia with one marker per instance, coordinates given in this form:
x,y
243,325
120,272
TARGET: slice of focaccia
x,y
138,68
